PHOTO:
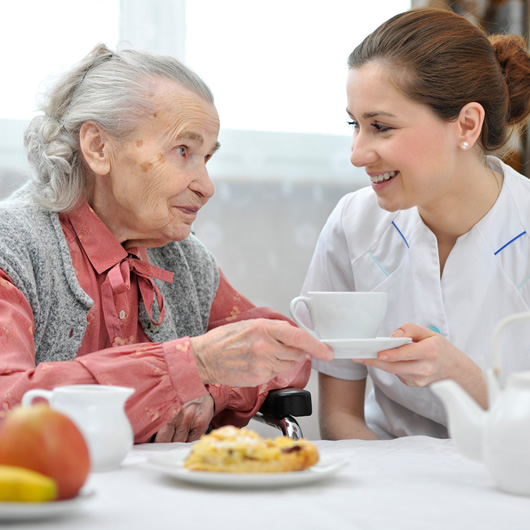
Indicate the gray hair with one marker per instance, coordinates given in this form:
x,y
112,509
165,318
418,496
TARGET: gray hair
x,y
109,88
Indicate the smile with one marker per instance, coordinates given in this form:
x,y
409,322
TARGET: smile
x,y
383,176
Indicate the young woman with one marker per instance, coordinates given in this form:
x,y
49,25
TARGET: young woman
x,y
443,226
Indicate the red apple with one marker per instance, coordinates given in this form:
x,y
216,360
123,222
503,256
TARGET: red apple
x,y
47,441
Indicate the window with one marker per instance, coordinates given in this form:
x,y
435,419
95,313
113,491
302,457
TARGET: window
x,y
280,65
42,39
277,70
39,40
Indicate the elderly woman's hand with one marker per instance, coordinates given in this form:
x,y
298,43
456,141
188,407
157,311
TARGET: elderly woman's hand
x,y
190,422
252,352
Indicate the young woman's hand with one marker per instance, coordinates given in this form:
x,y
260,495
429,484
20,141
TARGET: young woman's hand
x,y
429,358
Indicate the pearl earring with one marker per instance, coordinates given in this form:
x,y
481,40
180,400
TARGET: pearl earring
x,y
464,146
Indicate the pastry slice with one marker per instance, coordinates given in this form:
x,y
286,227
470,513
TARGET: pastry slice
x,y
233,450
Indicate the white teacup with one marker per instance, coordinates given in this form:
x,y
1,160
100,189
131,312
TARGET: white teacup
x,y
99,413
342,315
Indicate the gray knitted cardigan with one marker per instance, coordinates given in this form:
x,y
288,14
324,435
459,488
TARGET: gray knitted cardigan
x,y
34,253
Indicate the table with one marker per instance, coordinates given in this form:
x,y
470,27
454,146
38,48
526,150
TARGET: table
x,y
407,483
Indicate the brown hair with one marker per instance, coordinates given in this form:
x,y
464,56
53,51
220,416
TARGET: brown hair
x,y
442,60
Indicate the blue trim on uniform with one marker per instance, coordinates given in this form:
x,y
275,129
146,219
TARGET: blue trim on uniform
x,y
523,282
395,226
378,264
510,242
435,329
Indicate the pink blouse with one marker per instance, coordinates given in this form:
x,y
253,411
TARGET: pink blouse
x,y
115,349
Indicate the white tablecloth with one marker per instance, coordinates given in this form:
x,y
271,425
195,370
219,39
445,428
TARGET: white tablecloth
x,y
408,483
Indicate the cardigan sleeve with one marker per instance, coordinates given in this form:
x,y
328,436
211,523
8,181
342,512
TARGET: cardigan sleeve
x,y
164,376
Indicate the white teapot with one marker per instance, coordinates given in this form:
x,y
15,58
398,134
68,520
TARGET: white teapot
x,y
99,413
500,437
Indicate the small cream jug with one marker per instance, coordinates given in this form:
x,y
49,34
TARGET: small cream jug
x,y
99,413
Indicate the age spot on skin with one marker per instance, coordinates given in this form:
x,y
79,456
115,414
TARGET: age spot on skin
x,y
146,166
139,143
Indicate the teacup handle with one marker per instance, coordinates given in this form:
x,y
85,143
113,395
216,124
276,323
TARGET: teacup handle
x,y
292,306
497,356
30,395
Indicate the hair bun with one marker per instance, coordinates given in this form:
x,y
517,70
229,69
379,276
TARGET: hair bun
x,y
512,54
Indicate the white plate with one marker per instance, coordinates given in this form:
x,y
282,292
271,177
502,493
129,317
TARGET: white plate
x,y
26,511
172,464
364,348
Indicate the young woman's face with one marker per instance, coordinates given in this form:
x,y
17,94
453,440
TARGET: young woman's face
x,y
407,151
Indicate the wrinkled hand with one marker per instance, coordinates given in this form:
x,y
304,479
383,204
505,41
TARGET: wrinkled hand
x,y
252,352
429,358
191,421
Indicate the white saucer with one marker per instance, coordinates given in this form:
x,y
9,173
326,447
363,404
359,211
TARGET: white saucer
x,y
364,348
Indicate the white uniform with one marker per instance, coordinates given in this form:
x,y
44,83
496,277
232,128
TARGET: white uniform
x,y
486,277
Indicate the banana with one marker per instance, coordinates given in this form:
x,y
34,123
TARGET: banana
x,y
18,484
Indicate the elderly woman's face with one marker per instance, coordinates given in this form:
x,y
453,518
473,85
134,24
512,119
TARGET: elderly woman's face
x,y
158,178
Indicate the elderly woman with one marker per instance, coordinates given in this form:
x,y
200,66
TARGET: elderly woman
x,y
100,279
